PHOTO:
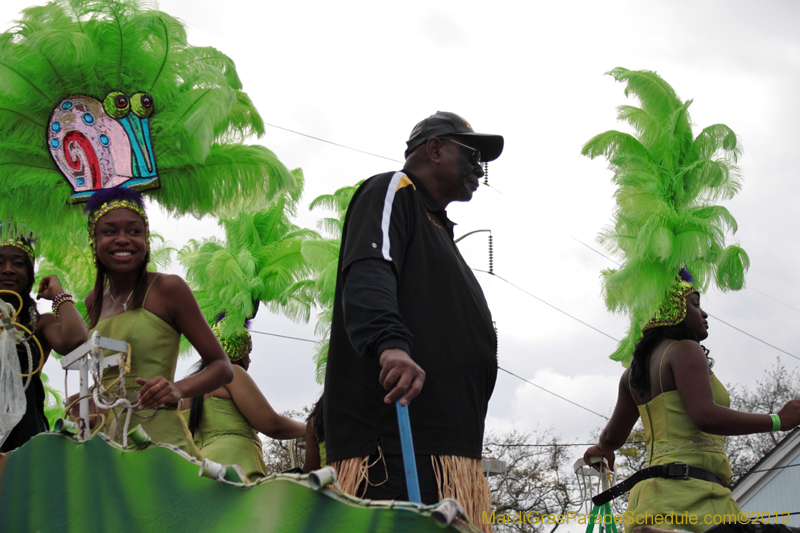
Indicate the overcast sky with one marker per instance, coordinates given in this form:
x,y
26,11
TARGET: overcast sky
x,y
362,74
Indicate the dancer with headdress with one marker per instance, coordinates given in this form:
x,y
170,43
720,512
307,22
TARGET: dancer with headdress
x,y
109,94
101,96
225,423
685,411
62,330
260,261
664,221
150,311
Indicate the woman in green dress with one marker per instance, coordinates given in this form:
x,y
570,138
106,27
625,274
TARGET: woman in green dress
x,y
150,311
225,423
685,412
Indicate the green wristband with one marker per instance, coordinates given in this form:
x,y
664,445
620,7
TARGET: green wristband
x,y
776,422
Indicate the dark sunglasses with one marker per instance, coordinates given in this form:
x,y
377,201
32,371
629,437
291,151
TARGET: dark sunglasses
x,y
475,158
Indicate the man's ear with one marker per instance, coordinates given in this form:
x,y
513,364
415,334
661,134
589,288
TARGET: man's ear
x,y
434,149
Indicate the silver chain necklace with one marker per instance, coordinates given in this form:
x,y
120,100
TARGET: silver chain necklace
x,y
123,304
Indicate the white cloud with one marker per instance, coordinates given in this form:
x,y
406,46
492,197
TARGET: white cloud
x,y
533,409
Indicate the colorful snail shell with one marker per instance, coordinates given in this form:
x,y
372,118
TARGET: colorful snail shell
x,y
99,145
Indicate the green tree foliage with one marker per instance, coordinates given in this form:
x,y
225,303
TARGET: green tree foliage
x,y
665,218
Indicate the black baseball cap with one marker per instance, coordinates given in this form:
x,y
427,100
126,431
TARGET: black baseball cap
x,y
444,123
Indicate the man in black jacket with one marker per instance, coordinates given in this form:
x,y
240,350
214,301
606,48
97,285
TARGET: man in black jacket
x,y
411,319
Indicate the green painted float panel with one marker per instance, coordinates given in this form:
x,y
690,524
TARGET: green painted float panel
x,y
55,484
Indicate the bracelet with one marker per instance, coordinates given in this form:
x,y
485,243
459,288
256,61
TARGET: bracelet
x,y
60,298
776,422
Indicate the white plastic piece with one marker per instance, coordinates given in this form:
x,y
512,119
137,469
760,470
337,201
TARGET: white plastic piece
x,y
582,469
88,359
211,469
591,481
446,511
321,478
67,427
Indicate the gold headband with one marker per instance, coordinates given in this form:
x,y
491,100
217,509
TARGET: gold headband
x,y
16,243
673,308
109,206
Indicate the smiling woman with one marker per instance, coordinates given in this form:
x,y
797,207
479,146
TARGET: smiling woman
x,y
150,311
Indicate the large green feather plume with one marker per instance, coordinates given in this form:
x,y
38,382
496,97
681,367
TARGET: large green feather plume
x,y
665,218
260,260
91,47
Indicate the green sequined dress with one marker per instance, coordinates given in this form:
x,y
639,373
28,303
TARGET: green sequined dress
x,y
225,436
672,437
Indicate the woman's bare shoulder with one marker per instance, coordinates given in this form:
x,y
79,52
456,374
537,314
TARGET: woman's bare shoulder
x,y
170,285
686,356
683,349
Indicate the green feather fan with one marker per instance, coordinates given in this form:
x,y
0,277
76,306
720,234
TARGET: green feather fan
x,y
665,218
260,260
200,118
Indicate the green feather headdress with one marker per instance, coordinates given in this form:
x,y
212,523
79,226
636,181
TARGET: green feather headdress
x,y
260,260
197,119
665,218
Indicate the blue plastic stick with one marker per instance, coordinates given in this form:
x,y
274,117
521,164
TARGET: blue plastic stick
x,y
409,461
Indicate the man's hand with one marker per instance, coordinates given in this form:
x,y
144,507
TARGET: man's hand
x,y
401,376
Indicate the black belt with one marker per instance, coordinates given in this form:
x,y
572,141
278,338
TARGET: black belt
x,y
669,471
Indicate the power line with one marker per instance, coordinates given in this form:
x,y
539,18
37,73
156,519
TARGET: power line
x,y
601,254
333,143
617,340
773,468
774,299
282,336
503,369
753,336
551,392
618,264
554,445
547,304
559,230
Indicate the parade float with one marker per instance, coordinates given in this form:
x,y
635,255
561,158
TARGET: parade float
x,y
108,94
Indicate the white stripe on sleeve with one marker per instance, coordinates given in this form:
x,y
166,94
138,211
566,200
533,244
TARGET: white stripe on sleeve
x,y
387,214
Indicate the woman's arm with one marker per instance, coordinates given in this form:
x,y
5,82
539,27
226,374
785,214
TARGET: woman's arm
x,y
616,432
174,296
67,332
257,410
689,366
